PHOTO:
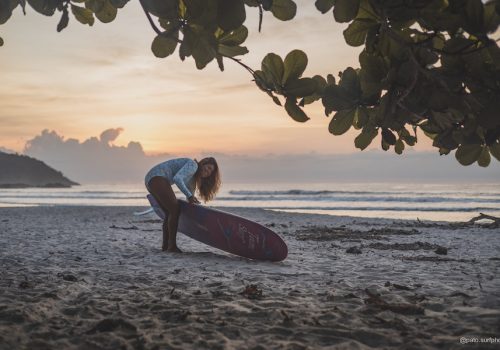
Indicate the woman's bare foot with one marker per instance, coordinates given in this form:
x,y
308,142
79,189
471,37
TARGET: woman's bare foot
x,y
174,250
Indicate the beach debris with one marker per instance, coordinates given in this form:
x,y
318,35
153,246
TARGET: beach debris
x,y
67,277
397,286
406,246
460,225
435,259
350,296
175,315
353,250
252,292
400,308
460,294
25,285
287,318
441,251
133,227
327,233
481,216
112,324
174,295
400,286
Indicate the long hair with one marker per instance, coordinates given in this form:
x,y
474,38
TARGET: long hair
x,y
208,186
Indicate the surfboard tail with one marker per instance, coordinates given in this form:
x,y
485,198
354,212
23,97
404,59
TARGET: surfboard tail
x,y
141,213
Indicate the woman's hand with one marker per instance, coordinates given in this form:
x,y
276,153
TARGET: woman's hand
x,y
193,200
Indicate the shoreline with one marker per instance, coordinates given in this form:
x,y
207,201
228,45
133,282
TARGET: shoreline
x,y
95,277
331,214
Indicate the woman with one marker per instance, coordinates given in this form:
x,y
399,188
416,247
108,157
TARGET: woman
x,y
188,175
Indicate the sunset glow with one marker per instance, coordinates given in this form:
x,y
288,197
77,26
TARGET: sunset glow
x,y
85,80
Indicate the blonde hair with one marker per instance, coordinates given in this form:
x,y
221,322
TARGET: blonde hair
x,y
208,186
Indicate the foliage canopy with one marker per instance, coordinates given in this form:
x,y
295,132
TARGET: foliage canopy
x,y
426,64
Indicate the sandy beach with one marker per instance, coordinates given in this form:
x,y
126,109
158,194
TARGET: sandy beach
x,y
96,278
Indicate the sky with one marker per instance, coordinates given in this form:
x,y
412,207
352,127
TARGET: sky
x,y
87,79
95,103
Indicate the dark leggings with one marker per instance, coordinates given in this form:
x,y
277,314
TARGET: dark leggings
x,y
165,196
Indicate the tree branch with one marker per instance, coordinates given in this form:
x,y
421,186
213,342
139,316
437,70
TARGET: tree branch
x,y
167,34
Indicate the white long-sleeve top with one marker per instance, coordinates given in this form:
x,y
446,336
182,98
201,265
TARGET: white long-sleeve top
x,y
179,171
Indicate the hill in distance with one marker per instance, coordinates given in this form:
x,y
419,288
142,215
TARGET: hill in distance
x,y
19,171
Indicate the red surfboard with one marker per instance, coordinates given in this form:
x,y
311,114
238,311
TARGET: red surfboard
x,y
228,232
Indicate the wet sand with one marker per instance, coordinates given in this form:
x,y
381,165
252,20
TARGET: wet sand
x,y
96,278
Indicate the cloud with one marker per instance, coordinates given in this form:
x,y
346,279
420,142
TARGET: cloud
x,y
110,135
97,160
6,150
94,160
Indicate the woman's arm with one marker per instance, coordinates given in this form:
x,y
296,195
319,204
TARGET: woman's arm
x,y
184,175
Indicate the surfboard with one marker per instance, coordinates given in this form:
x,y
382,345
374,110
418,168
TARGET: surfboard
x,y
228,232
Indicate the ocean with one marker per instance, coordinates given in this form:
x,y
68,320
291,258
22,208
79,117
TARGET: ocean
x,y
444,202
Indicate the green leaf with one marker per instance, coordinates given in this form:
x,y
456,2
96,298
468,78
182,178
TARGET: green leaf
x,y
201,43
320,87
232,51
475,15
295,111
372,73
63,22
350,82
107,13
272,65
356,32
94,5
202,12
324,5
330,79
341,122
275,99
388,136
457,44
301,87
163,46
484,159
489,117
252,3
1,42
45,7
361,118
162,8
295,65
230,14
260,79
366,137
5,11
468,154
266,4
495,150
385,146
345,10
234,37
83,15
336,98
284,10
399,147
119,3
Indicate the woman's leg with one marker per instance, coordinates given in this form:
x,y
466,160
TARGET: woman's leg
x,y
165,196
